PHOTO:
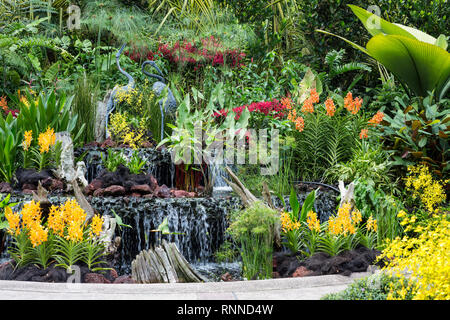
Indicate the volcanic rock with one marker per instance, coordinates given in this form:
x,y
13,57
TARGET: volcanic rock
x,y
5,187
108,143
95,278
301,272
115,190
94,185
31,177
162,191
28,186
99,192
124,279
141,188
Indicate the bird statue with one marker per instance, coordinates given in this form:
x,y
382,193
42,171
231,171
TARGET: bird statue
x,y
170,106
112,101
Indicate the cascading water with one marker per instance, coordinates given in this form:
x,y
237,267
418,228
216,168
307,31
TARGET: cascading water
x,y
200,224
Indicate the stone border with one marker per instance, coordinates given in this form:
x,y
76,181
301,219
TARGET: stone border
x,y
306,288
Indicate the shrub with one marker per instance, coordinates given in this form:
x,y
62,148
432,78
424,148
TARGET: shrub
x,y
374,287
420,262
253,229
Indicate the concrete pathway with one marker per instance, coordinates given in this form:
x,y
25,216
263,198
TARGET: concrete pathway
x,y
307,288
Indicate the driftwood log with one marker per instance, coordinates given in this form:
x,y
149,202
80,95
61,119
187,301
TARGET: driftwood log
x,y
249,199
163,264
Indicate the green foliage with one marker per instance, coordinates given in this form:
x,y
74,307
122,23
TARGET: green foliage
x,y
336,69
368,162
332,244
10,139
374,287
253,228
226,253
135,163
84,105
48,111
418,131
414,57
113,160
325,141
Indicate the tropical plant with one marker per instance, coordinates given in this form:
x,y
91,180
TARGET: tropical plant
x,y
47,110
253,229
325,134
9,146
418,60
336,68
195,133
135,163
292,221
113,160
368,163
421,256
84,105
64,238
418,131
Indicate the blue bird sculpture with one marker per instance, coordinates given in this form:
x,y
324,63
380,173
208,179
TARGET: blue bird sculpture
x,y
170,106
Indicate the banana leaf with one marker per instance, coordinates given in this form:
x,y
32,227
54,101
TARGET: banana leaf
x,y
422,66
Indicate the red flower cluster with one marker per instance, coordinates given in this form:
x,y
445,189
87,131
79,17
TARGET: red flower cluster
x,y
210,52
273,108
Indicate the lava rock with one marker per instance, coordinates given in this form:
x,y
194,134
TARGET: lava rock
x,y
56,185
28,186
162,192
95,278
114,273
124,279
99,192
141,188
226,277
5,187
94,185
301,272
108,143
115,190
31,177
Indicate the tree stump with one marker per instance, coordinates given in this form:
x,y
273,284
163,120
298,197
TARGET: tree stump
x,y
163,264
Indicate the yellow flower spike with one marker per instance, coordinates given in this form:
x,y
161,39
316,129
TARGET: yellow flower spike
x,y
31,213
28,137
13,221
37,234
46,140
96,225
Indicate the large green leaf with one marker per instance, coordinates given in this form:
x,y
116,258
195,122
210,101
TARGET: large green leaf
x,y
423,67
377,25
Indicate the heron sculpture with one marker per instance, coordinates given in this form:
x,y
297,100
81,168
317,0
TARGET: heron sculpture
x,y
112,101
170,105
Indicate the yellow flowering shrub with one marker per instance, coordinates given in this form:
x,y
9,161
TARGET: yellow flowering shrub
x,y
423,187
123,131
424,259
